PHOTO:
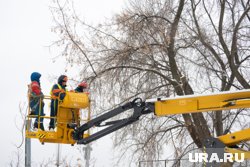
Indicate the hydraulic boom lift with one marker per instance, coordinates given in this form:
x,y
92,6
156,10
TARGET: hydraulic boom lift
x,y
68,117
68,109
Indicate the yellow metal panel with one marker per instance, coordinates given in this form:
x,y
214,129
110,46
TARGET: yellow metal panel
x,y
30,134
175,106
75,100
67,115
238,151
41,134
236,137
61,135
202,103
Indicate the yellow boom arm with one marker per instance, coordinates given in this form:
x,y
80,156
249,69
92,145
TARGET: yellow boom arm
x,y
203,103
213,102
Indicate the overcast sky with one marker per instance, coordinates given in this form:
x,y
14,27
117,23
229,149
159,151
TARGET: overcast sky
x,y
25,33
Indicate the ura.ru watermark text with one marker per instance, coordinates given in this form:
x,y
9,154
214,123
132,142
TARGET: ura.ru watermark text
x,y
227,157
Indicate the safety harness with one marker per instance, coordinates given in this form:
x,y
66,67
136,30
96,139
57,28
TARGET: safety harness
x,y
59,90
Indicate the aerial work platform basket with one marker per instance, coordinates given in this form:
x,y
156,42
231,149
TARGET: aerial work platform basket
x,y
68,117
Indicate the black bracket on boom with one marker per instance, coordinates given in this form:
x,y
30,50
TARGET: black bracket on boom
x,y
139,108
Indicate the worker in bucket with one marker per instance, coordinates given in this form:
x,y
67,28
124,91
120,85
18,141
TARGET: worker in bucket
x,y
81,87
57,93
36,100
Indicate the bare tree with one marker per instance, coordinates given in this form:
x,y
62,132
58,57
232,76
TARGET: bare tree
x,y
161,48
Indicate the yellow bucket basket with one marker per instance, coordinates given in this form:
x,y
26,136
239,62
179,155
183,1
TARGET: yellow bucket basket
x,y
75,100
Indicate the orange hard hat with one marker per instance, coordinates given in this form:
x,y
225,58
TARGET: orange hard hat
x,y
83,84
